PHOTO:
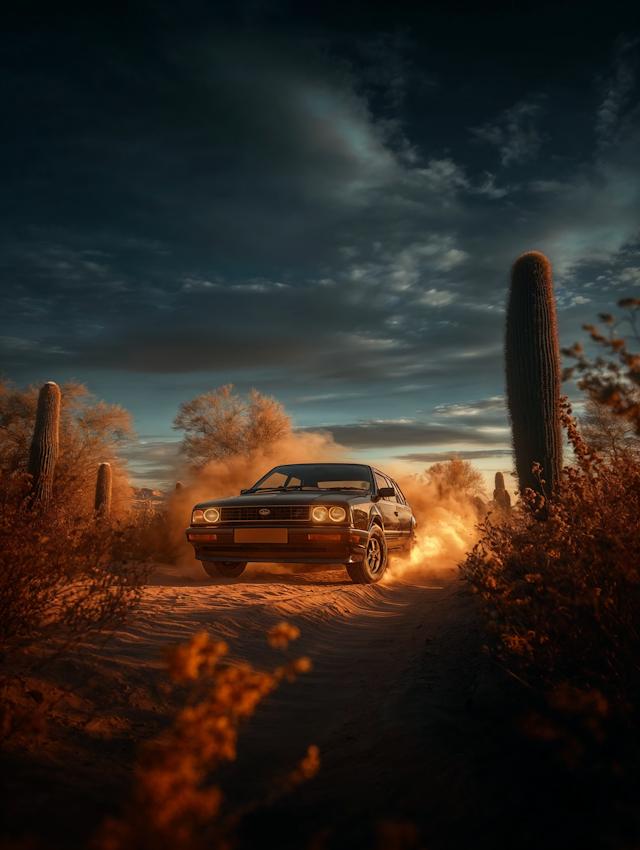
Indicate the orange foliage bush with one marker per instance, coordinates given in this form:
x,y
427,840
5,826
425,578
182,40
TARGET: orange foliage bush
x,y
174,803
614,384
563,595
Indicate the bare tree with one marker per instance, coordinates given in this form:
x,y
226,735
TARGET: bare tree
x,y
220,425
611,435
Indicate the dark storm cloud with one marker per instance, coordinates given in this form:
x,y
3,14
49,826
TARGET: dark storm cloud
x,y
332,200
435,457
375,434
483,422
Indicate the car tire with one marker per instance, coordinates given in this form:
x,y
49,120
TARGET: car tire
x,y
230,569
372,567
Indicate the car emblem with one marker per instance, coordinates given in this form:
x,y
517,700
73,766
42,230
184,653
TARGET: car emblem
x,y
264,512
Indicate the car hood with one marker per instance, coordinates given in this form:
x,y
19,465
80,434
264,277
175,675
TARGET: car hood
x,y
293,497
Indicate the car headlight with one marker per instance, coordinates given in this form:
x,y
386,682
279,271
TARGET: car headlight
x,y
211,515
196,517
323,514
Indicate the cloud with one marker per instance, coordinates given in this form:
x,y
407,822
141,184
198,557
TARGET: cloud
x,y
514,132
616,108
442,176
434,298
628,276
435,457
272,208
375,434
154,460
474,409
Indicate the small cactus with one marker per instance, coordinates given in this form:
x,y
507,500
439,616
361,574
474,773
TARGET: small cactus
x,y
533,372
179,486
103,490
44,446
501,496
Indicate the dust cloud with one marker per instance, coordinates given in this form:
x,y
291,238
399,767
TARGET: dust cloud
x,y
446,527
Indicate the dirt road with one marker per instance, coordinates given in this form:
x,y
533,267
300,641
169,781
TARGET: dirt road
x,y
387,702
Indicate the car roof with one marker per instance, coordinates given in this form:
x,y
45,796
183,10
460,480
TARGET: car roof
x,y
326,463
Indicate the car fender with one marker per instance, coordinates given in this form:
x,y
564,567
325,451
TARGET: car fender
x,y
375,518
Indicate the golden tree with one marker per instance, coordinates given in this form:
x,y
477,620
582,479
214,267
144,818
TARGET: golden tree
x,y
221,424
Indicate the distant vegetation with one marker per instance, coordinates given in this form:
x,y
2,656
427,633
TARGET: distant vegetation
x,y
455,477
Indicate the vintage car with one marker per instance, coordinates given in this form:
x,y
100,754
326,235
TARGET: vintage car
x,y
306,513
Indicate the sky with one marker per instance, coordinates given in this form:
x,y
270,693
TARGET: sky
x,y
321,201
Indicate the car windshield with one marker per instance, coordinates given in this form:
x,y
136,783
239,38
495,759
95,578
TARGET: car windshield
x,y
317,476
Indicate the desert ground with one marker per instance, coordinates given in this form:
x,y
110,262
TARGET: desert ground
x,y
401,702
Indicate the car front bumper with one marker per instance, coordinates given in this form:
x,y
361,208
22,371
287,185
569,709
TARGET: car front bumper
x,y
306,545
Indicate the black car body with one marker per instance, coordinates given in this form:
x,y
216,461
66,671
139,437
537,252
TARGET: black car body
x,y
317,513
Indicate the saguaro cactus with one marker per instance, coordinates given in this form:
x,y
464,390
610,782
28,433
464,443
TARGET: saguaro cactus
x,y
179,486
103,490
533,372
500,495
44,446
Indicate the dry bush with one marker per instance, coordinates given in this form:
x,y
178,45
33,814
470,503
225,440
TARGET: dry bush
x,y
62,574
174,803
563,595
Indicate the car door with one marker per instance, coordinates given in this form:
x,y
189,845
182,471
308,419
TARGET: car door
x,y
388,507
405,514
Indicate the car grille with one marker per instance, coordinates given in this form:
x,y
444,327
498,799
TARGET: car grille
x,y
251,513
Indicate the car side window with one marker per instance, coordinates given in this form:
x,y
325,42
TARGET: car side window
x,y
380,480
383,481
390,484
399,493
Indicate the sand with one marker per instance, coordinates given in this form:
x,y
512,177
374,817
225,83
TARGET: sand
x,y
387,702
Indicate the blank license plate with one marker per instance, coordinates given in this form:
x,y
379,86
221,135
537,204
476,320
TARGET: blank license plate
x,y
261,535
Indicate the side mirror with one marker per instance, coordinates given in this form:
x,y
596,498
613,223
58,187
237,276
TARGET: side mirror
x,y
383,492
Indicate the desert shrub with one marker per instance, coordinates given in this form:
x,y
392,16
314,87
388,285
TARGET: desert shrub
x,y
63,577
174,802
563,595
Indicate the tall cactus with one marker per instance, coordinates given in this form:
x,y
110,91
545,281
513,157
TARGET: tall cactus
x,y
533,372
103,490
44,446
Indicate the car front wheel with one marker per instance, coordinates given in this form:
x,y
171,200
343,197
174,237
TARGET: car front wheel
x,y
371,568
230,569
